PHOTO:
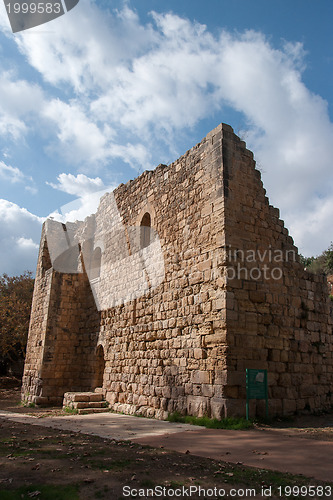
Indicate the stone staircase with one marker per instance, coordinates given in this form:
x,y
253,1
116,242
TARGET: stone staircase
x,y
86,402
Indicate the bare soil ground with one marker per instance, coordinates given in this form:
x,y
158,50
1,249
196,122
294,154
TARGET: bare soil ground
x,y
44,463
306,426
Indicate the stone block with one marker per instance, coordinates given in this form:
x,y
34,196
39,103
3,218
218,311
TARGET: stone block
x,y
257,296
143,401
40,401
217,406
288,406
235,407
80,405
198,406
236,378
95,397
220,377
214,339
201,377
231,391
207,390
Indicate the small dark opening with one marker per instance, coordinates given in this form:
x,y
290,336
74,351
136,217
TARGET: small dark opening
x,y
145,230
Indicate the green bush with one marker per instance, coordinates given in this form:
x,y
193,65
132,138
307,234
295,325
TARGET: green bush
x,y
211,423
71,411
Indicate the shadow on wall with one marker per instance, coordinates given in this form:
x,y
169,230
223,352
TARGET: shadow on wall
x,y
100,367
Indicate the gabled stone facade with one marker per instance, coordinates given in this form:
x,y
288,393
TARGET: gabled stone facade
x,y
170,323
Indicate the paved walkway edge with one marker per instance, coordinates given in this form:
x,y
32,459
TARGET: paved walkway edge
x,y
264,449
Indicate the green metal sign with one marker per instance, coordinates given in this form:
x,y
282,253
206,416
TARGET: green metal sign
x,y
256,387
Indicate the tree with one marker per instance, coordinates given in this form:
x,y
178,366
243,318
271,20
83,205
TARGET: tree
x,y
329,259
15,305
323,264
306,261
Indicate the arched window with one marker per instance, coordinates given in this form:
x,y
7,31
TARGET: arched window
x,y
145,230
95,264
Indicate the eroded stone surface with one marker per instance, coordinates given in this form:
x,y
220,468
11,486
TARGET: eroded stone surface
x,y
233,295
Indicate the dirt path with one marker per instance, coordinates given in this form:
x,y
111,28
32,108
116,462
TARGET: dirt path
x,y
45,463
37,461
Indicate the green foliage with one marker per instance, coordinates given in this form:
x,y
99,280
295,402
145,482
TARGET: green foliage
x,y
71,411
329,259
28,405
15,305
322,264
211,423
306,261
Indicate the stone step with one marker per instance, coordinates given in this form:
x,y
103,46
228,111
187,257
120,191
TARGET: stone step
x,y
90,404
99,390
72,397
86,411
86,402
89,396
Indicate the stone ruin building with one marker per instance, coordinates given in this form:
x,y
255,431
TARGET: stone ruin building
x,y
182,279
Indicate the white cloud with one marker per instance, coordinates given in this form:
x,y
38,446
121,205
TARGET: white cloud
x,y
84,43
78,185
27,244
81,139
289,126
136,155
4,22
85,142
166,87
136,85
31,189
89,192
19,100
289,130
313,226
12,174
19,238
80,208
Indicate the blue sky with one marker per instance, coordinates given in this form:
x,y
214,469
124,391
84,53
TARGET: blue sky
x,y
93,98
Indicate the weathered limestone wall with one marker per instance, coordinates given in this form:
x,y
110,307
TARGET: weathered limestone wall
x,y
166,350
278,315
31,383
176,324
62,336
